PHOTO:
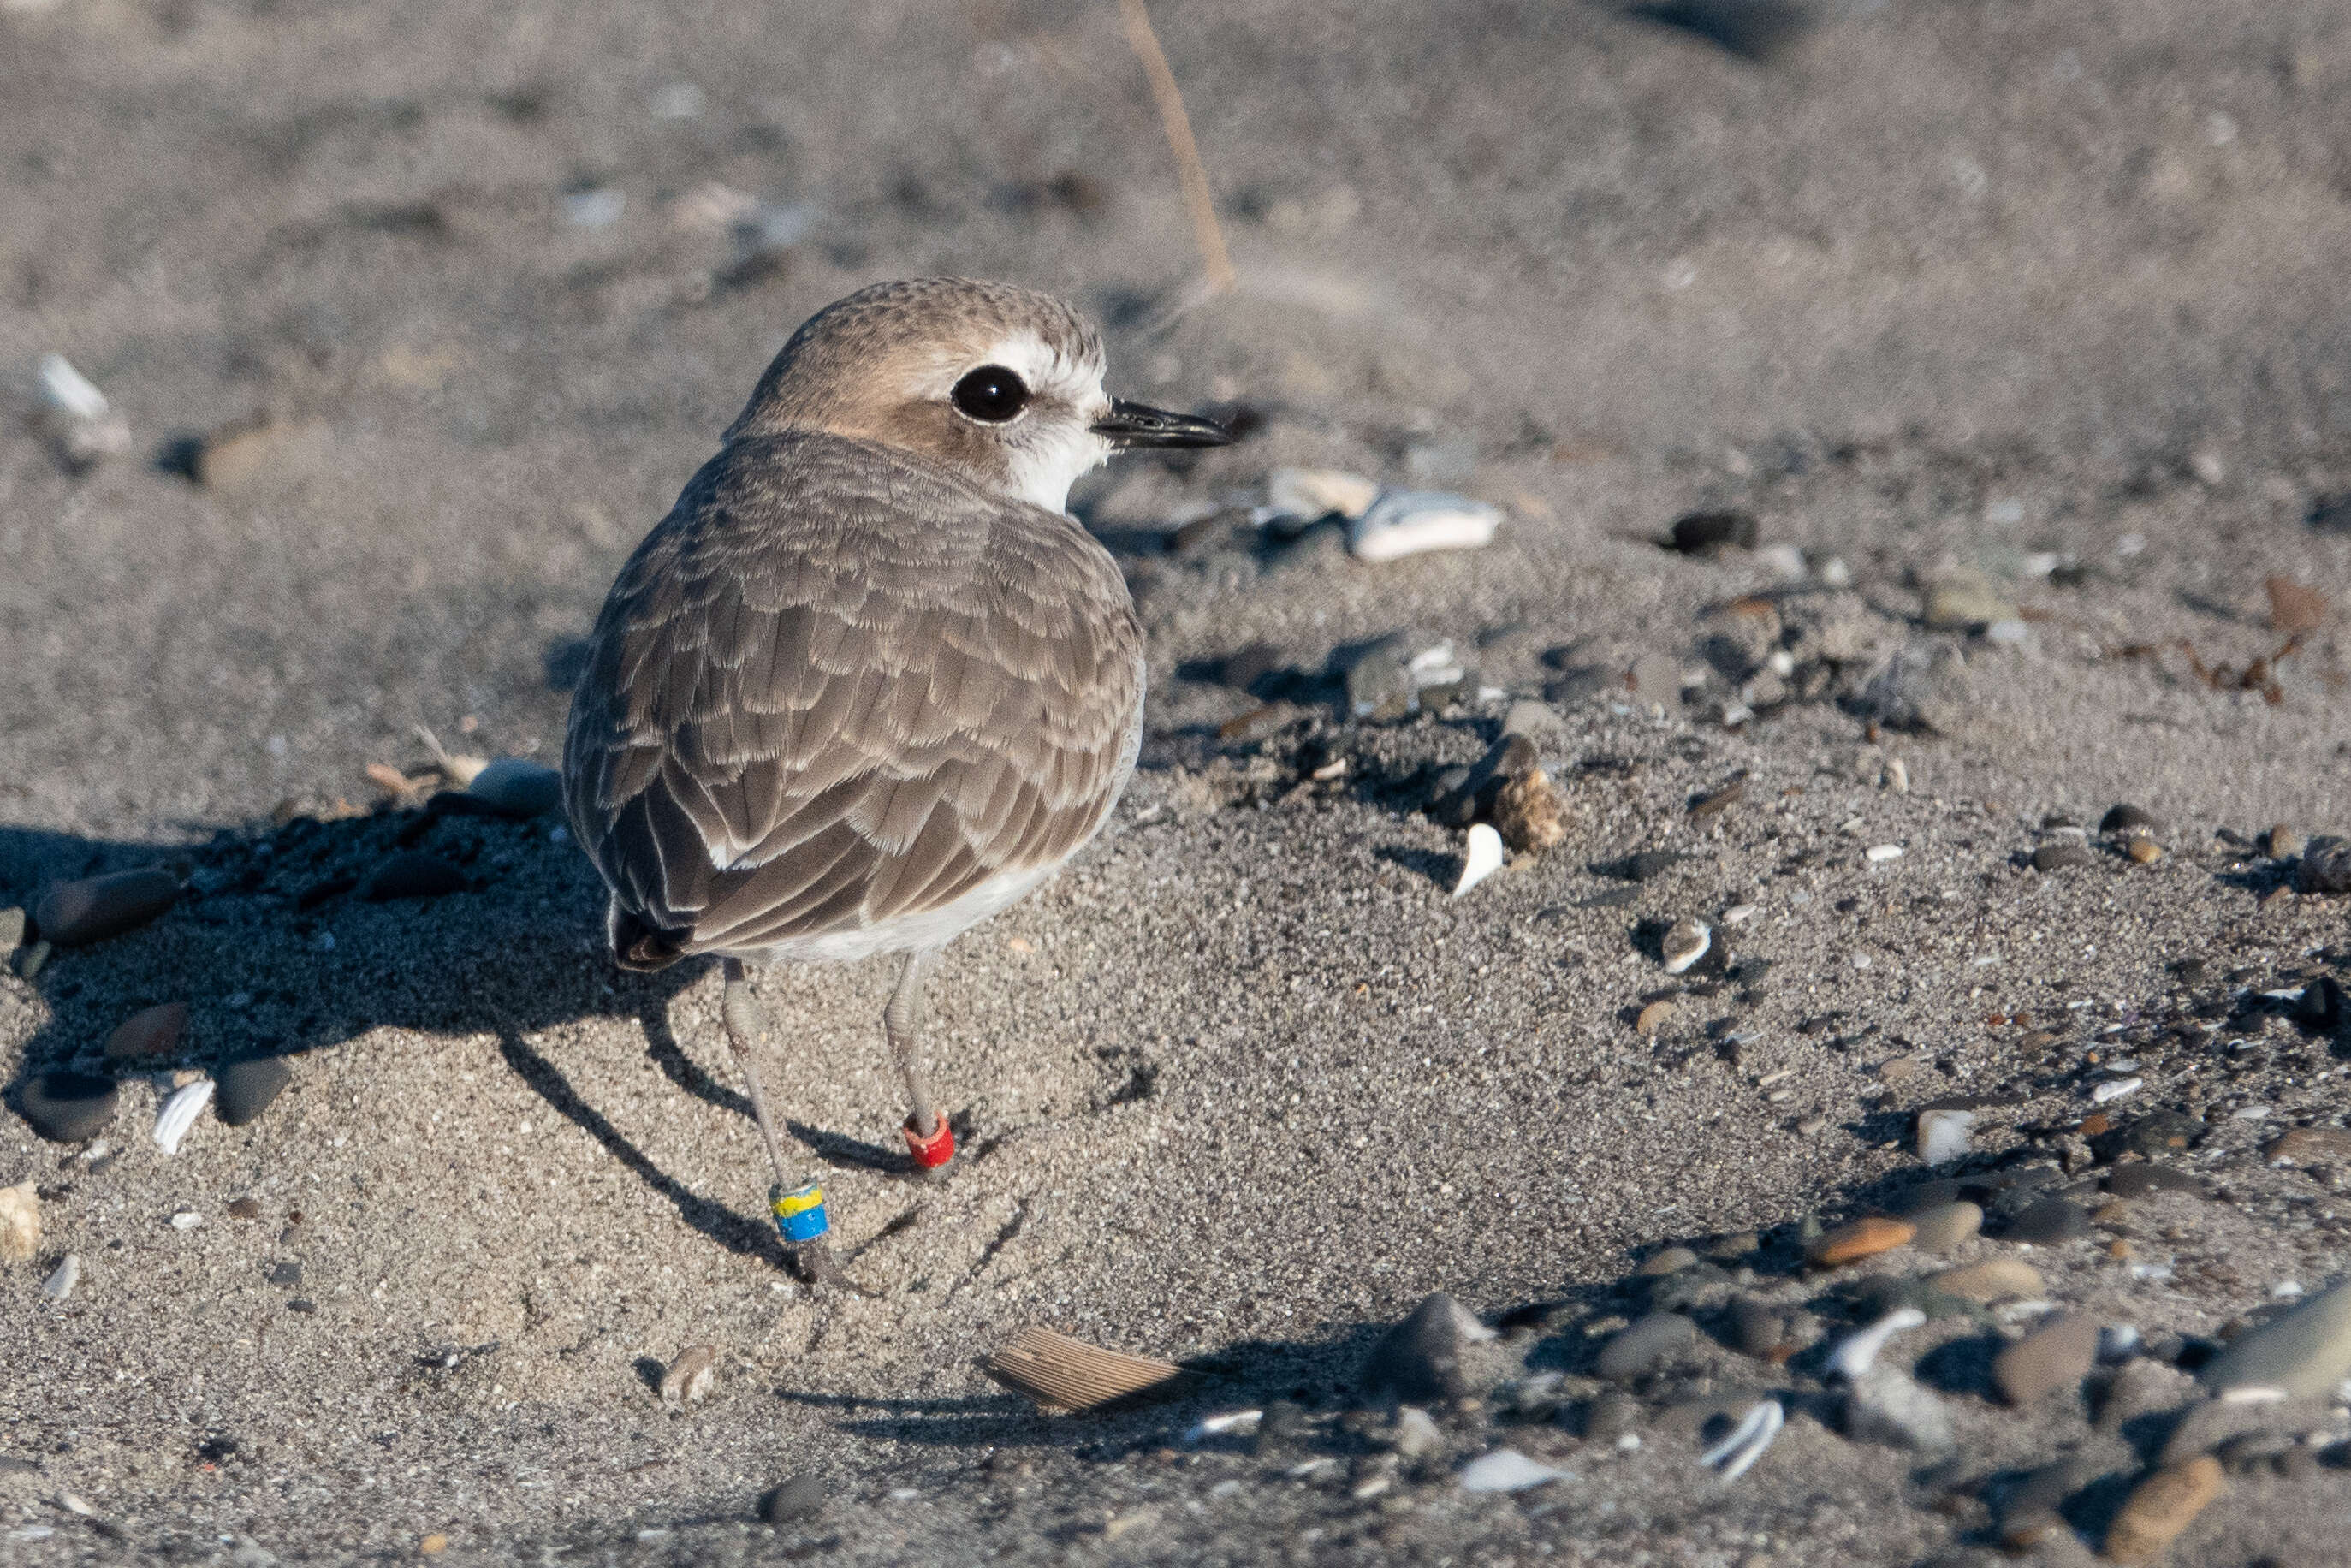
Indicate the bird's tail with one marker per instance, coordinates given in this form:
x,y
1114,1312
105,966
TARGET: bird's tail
x,y
639,946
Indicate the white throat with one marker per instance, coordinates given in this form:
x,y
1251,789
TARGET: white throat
x,y
1047,457
1044,469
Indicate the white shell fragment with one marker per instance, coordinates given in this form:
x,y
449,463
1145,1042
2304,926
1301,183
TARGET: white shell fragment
x,y
1506,1469
1215,1425
68,391
63,1278
1858,1351
76,415
1483,860
1409,522
2115,1088
1878,854
180,1113
186,1219
1943,1135
1686,943
1731,1458
1310,493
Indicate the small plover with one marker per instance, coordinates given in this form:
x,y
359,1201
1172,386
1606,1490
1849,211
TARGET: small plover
x,y
869,683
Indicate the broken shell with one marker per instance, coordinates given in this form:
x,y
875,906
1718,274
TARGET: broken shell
x,y
688,1379
1855,1353
20,1222
1483,859
1408,522
1686,943
1731,1458
77,417
459,771
1943,1135
1312,492
1506,1469
180,1113
63,1277
1064,1375
1215,1425
1878,854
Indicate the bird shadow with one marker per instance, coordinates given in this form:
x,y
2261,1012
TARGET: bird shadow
x,y
275,951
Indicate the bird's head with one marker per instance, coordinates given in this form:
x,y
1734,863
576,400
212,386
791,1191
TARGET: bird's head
x,y
1001,384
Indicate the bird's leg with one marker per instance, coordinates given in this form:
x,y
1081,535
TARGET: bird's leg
x,y
740,1009
928,1137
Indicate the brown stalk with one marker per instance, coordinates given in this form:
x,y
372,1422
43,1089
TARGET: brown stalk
x,y
1197,199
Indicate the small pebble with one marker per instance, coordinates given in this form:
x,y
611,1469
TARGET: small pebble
x,y
2125,819
1877,854
1758,1328
1648,1342
151,1032
688,1379
20,1222
2283,841
2304,1354
2145,1179
248,1085
2326,870
1419,1361
1945,1226
74,913
1530,812
1686,942
2160,1507
1653,1016
68,1107
2311,1146
2047,1222
63,1277
1415,1435
1857,1240
517,788
2144,851
2066,856
2046,1360
797,1497
245,1209
186,1219
1702,533
1671,1260
1993,1279
413,875
12,928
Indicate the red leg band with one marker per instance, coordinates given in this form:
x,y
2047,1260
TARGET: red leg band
x,y
932,1152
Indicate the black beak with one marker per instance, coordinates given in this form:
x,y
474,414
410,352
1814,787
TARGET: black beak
x,y
1131,425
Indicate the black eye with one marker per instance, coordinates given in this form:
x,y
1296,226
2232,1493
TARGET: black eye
x,y
990,394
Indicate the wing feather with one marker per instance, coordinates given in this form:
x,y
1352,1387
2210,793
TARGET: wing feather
x,y
838,685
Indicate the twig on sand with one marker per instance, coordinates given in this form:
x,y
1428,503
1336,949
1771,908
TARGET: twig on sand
x,y
1216,265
